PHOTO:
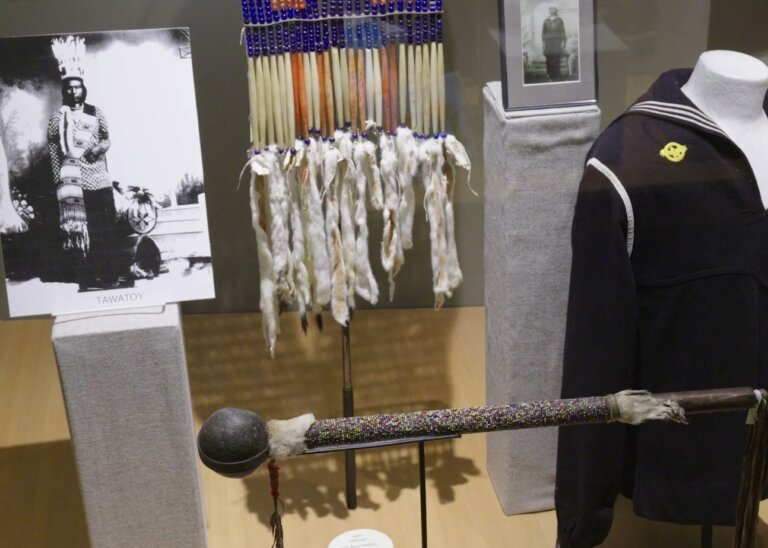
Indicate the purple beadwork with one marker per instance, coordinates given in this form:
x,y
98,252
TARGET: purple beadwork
x,y
330,432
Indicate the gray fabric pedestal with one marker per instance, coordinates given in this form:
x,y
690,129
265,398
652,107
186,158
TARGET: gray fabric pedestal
x,y
124,378
533,165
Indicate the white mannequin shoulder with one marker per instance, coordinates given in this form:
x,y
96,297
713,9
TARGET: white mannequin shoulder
x,y
730,88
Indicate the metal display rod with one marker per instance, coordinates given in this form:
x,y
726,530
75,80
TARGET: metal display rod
x,y
422,467
348,398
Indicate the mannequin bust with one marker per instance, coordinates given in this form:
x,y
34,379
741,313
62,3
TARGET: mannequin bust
x,y
730,88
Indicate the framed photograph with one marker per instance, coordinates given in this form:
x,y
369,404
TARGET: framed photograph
x,y
102,200
548,53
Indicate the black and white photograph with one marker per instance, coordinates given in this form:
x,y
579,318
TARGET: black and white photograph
x,y
102,198
550,40
548,53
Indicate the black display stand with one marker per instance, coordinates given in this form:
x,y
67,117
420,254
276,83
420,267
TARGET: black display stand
x,y
351,448
350,467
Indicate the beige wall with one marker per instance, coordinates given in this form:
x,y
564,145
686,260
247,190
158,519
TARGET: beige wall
x,y
739,29
639,40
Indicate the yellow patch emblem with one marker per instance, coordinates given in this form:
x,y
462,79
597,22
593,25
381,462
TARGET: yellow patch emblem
x,y
674,152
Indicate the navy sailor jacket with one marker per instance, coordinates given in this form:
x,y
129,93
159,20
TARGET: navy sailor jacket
x,y
669,291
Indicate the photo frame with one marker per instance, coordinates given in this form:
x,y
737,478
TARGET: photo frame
x,y
548,56
102,194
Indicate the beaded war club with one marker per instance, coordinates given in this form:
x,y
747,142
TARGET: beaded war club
x,y
235,442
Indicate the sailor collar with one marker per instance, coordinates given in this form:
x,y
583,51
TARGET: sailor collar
x,y
665,99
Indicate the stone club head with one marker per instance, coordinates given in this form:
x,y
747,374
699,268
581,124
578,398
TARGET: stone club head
x,y
233,442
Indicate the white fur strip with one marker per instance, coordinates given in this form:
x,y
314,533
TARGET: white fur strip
x,y
267,300
9,218
303,186
391,247
453,269
434,200
365,283
279,212
457,156
345,198
339,307
407,166
365,158
298,229
317,238
287,438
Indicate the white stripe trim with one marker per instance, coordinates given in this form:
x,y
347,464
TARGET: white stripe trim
x,y
611,176
678,116
680,113
687,111
686,108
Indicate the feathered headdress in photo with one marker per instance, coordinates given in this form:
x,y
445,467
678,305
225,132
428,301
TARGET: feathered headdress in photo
x,y
70,53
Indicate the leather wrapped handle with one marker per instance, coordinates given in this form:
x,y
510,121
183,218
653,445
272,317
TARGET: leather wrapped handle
x,y
713,401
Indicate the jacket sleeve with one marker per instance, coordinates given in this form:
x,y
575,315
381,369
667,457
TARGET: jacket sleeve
x,y
599,359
